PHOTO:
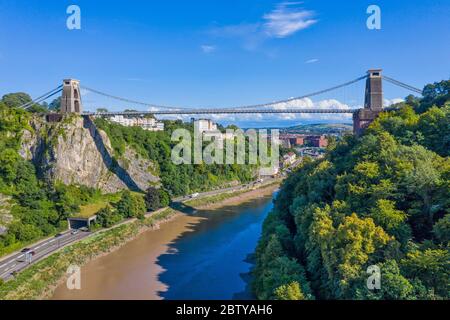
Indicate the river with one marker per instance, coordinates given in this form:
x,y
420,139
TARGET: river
x,y
198,256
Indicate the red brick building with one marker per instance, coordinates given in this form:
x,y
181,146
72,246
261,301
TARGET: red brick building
x,y
317,141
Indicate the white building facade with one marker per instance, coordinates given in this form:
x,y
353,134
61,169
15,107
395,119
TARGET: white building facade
x,y
204,125
150,124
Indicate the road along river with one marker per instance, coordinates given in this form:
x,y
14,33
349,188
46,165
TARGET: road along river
x,y
202,255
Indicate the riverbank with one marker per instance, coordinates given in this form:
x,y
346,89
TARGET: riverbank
x,y
41,280
233,198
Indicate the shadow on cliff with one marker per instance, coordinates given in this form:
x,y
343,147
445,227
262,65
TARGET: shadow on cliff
x,y
108,160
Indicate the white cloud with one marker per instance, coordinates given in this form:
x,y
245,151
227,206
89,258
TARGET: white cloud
x,y
287,19
208,48
389,102
311,61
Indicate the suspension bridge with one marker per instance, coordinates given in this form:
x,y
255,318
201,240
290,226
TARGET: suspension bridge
x,y
373,103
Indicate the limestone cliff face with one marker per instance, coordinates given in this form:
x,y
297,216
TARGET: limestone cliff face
x,y
74,151
5,213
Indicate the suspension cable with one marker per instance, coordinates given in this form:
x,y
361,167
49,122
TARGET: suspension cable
x,y
129,100
262,105
44,97
402,84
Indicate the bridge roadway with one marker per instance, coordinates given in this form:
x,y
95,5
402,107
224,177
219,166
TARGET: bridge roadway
x,y
220,111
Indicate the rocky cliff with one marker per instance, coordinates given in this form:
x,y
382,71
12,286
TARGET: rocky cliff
x,y
74,151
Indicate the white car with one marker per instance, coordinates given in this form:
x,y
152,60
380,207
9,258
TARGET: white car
x,y
195,195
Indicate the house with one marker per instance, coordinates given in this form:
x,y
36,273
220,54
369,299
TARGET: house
x,y
204,125
289,159
317,141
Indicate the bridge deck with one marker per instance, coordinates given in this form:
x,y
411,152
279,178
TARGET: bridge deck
x,y
221,111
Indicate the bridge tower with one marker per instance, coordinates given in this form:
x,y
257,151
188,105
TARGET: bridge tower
x,y
71,97
373,103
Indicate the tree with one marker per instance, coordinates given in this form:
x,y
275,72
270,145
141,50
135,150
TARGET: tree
x,y
420,181
156,198
394,286
131,205
393,221
15,100
9,160
102,110
64,202
290,291
152,200
107,218
433,126
431,267
441,229
435,94
164,198
55,105
281,272
380,199
37,108
347,248
24,232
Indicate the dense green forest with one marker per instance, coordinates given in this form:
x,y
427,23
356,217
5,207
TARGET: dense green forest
x,y
382,199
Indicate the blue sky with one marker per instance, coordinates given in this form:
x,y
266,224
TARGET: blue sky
x,y
221,52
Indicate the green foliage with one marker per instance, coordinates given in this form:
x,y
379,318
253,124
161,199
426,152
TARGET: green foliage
x,y
164,198
431,267
131,205
24,232
381,199
437,94
152,199
156,198
345,250
441,230
14,100
157,146
55,105
276,274
290,291
38,208
107,218
394,286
